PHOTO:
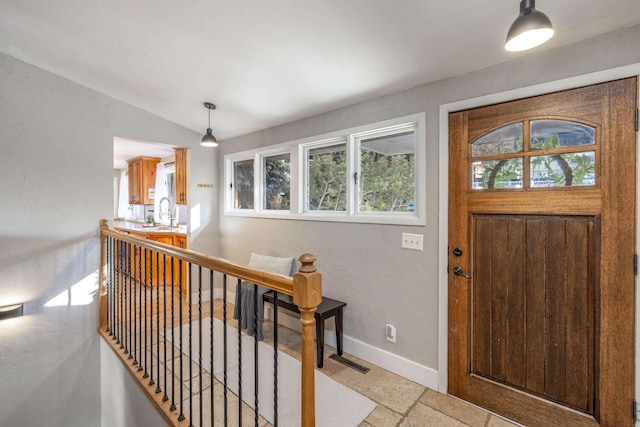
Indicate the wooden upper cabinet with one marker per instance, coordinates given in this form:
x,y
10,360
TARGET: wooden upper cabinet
x,y
135,177
142,177
181,176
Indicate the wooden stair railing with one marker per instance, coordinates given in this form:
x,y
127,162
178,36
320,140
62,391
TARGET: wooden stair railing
x,y
305,287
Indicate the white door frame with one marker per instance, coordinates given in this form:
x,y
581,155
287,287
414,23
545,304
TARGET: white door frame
x,y
443,191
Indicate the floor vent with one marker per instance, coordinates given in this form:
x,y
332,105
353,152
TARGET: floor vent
x,y
350,363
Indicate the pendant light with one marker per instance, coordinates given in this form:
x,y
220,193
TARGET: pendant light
x,y
209,140
530,29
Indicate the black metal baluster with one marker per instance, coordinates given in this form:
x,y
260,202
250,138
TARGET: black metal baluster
x,y
141,286
157,276
239,359
189,288
119,293
128,315
181,416
173,340
275,359
108,330
111,284
224,339
135,308
114,278
126,300
200,336
123,285
255,354
211,341
116,288
164,315
150,283
146,327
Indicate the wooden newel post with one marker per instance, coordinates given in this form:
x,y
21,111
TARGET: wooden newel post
x,y
103,274
307,295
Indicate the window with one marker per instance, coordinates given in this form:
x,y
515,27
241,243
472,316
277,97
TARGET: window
x,y
372,173
557,154
242,184
386,176
276,176
326,178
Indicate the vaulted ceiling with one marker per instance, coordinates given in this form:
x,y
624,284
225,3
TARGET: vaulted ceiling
x,y
269,62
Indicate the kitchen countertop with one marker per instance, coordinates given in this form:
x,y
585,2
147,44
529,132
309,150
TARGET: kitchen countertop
x,y
141,227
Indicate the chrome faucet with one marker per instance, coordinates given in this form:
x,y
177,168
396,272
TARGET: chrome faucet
x,y
169,212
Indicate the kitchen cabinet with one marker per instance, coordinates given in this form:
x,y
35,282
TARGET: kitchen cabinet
x,y
142,177
163,271
181,241
181,176
154,268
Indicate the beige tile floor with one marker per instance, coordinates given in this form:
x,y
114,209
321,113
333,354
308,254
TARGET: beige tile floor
x,y
400,402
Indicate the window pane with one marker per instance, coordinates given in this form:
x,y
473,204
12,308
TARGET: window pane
x,y
547,134
563,170
497,174
326,178
276,182
386,181
243,184
507,139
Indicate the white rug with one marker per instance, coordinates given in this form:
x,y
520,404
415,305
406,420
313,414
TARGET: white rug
x,y
336,405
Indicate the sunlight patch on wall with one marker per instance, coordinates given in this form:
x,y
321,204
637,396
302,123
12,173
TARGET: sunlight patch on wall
x,y
195,217
81,293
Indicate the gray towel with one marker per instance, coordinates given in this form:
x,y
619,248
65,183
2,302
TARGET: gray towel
x,y
244,300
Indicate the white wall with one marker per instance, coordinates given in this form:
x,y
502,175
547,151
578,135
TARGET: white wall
x,y
363,264
56,182
123,403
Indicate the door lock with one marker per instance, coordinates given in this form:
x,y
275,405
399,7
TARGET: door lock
x,y
458,271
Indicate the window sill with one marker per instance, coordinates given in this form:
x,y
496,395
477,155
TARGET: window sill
x,y
368,218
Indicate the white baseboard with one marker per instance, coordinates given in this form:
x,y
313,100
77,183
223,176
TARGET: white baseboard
x,y
399,365
402,366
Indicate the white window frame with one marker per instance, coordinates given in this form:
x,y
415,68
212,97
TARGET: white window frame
x,y
303,150
298,150
387,131
230,160
260,157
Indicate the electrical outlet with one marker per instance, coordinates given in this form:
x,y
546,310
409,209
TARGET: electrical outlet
x,y
412,241
390,333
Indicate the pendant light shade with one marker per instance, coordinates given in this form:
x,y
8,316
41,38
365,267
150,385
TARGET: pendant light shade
x,y
530,29
209,140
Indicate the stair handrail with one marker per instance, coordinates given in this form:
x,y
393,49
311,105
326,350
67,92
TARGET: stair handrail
x,y
305,287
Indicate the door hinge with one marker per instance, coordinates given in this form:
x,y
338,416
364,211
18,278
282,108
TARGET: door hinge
x,y
635,264
635,411
637,117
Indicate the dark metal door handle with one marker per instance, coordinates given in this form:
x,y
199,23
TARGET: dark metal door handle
x,y
458,271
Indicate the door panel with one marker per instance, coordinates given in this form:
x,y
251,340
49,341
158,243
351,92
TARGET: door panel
x,y
542,332
535,331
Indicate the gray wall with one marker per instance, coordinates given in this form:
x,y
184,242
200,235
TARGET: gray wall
x,y
363,264
123,402
56,182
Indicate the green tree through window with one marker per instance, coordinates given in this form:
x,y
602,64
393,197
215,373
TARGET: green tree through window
x,y
326,181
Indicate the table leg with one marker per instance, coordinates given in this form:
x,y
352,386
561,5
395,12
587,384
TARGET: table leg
x,y
320,341
339,331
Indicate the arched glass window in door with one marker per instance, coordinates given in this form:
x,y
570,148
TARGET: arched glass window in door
x,y
501,172
557,154
572,169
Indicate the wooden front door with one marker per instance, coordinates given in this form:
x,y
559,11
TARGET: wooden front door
x,y
541,256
